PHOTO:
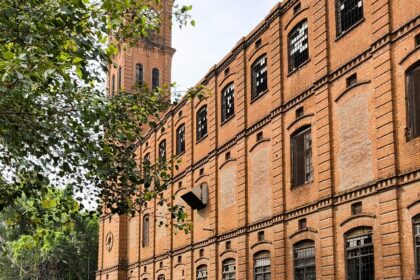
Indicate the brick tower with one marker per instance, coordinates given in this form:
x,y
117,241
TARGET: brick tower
x,y
149,61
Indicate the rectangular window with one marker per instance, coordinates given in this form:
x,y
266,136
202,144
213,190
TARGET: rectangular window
x,y
180,140
413,101
145,233
155,78
202,123
259,77
298,45
162,151
349,12
302,168
113,85
119,79
139,74
228,102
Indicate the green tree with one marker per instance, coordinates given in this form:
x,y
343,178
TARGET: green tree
x,y
57,127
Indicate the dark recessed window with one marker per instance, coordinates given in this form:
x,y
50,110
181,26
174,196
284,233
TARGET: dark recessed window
x,y
155,78
161,277
180,139
304,260
201,253
119,78
201,123
298,45
145,269
227,156
162,151
202,272
113,85
258,43
260,136
160,264
179,184
359,254
145,231
229,269
417,40
228,245
413,100
147,144
227,70
179,114
416,233
302,169
139,74
356,208
299,112
259,77
201,171
179,259
260,236
262,265
228,102
349,12
297,8
146,165
351,80
302,224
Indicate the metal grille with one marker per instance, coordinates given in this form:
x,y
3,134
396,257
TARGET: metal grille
x,y
162,151
349,12
302,167
298,45
304,256
228,102
180,140
229,270
119,78
202,122
155,78
262,266
416,231
202,272
139,74
259,77
359,254
413,100
145,233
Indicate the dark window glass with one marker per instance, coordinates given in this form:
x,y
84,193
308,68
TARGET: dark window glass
x,y
297,8
229,270
413,101
145,233
162,151
304,260
356,208
262,266
228,102
139,74
161,277
113,85
302,224
359,255
352,80
349,12
180,140
259,77
416,232
302,168
202,272
202,122
119,81
417,40
155,78
298,45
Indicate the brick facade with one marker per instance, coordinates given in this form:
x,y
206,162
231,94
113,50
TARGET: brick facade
x,y
360,152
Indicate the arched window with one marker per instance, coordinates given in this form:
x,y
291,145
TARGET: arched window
x,y
139,74
228,102
262,266
298,45
259,77
113,85
349,13
359,254
202,272
162,151
145,232
304,260
180,139
416,233
161,277
202,122
229,270
155,78
119,78
302,169
413,101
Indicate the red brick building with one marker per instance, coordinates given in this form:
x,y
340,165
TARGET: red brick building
x,y
303,164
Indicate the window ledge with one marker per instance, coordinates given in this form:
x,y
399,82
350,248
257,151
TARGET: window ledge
x,y
298,68
202,138
259,96
180,154
227,120
294,188
343,34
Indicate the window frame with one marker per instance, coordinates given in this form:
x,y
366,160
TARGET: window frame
x,y
416,223
353,234
201,268
292,66
413,114
300,247
180,143
339,21
162,148
139,74
155,78
119,78
303,131
256,72
201,128
228,91
113,85
145,237
262,255
227,274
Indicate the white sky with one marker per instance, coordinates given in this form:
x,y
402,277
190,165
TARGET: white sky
x,y
220,24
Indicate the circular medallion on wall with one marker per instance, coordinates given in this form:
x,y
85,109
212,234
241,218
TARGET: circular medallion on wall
x,y
109,241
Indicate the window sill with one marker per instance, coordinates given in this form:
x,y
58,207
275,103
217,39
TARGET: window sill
x,y
299,67
180,154
227,120
201,139
303,185
259,96
411,139
344,33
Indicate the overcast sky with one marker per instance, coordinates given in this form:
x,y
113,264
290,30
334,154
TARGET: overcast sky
x,y
220,24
